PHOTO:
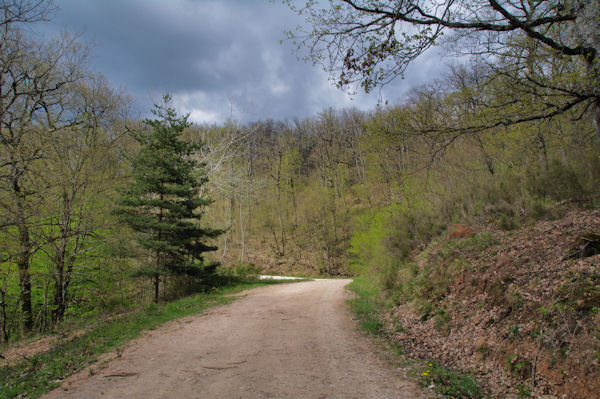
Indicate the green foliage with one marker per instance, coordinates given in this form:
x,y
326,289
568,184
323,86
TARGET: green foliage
x,y
346,192
384,239
246,271
44,371
163,203
365,306
451,383
366,245
557,181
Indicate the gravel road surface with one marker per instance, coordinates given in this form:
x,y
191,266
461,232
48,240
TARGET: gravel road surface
x,y
284,341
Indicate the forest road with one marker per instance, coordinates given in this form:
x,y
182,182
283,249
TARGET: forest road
x,y
282,341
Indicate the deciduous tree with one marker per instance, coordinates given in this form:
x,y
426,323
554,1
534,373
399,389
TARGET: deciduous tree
x,y
35,82
546,51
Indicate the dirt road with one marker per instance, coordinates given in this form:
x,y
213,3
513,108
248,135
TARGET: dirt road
x,y
283,341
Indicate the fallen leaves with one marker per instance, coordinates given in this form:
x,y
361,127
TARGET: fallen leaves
x,y
519,299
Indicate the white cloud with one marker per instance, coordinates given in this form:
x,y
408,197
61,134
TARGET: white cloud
x,y
201,107
204,117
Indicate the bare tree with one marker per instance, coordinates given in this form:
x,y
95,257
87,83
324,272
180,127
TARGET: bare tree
x,y
23,11
225,151
547,50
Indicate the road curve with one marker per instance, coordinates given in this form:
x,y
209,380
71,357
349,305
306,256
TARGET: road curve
x,y
284,341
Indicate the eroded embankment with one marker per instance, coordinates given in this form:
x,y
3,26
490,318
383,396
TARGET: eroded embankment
x,y
508,307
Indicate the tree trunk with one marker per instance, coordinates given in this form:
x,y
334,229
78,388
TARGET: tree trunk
x,y
156,283
242,238
279,210
157,275
59,303
23,258
59,274
4,323
24,277
596,116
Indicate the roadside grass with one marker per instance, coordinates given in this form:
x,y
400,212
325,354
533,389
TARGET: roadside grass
x,y
45,371
364,306
447,383
450,383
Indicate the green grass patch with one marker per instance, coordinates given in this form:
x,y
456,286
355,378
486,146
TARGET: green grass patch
x,y
365,305
45,371
450,383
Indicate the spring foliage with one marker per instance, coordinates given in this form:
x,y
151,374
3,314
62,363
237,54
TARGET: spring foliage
x,y
163,203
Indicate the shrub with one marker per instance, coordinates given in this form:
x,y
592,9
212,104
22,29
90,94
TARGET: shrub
x,y
558,182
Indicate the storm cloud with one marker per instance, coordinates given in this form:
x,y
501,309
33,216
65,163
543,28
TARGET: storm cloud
x,y
219,59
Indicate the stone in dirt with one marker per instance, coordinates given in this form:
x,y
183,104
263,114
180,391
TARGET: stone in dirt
x,y
585,245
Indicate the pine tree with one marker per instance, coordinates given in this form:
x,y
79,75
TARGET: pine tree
x,y
162,203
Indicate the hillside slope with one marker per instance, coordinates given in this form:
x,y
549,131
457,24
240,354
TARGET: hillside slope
x,y
507,307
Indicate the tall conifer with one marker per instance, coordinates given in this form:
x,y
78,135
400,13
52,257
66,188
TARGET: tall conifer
x,y
163,202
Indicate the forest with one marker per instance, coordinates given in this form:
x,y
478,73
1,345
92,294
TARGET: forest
x,y
347,192
335,194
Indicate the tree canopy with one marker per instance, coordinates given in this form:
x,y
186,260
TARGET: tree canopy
x,y
546,49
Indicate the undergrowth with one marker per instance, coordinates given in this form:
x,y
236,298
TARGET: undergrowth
x,y
450,383
447,383
45,371
365,306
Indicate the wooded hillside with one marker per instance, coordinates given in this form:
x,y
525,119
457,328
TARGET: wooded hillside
x,y
502,143
335,194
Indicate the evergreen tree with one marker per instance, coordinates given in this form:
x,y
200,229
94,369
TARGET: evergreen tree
x,y
162,203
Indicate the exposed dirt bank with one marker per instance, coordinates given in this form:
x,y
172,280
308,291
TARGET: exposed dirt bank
x,y
510,308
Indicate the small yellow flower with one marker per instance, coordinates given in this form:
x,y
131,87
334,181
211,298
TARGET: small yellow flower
x,y
430,364
425,374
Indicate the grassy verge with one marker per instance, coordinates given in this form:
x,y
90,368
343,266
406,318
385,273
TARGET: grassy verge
x,y
366,305
44,371
447,383
450,383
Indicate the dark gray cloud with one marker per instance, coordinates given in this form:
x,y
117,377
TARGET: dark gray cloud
x,y
219,59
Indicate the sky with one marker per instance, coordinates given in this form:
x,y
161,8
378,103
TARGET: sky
x,y
220,60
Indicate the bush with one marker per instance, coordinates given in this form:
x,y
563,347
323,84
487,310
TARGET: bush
x,y
558,182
